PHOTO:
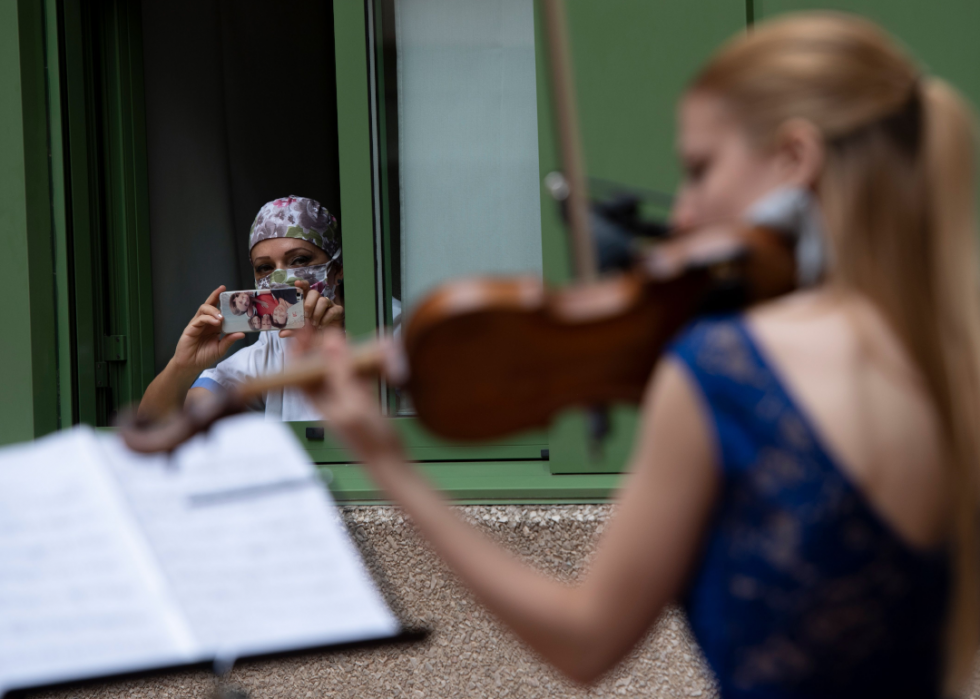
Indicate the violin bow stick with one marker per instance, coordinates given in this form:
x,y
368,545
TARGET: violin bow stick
x,y
569,143
370,359
573,164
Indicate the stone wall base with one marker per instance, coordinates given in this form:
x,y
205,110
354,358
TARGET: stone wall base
x,y
467,654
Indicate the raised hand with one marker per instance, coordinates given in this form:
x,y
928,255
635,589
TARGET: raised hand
x,y
319,311
201,343
200,346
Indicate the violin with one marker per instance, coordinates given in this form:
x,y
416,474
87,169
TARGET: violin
x,y
485,357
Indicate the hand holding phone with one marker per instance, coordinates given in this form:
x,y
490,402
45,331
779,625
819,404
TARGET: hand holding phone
x,y
202,342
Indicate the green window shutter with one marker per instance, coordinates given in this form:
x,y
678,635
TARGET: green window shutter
x,y
28,348
356,182
62,253
111,293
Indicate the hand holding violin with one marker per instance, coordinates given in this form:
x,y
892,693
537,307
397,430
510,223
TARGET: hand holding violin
x,y
347,400
202,344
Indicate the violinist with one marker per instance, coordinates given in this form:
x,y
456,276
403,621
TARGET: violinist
x,y
805,473
292,240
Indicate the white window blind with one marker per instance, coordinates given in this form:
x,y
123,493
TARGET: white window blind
x,y
468,140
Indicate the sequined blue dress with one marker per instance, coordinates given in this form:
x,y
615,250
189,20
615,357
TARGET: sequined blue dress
x,y
802,589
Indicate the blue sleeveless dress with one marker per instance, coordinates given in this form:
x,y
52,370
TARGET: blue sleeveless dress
x,y
802,589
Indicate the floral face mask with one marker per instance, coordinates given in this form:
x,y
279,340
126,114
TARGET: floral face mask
x,y
304,219
322,278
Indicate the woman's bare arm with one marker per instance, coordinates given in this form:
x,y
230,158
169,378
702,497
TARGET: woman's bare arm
x,y
200,345
643,558
168,391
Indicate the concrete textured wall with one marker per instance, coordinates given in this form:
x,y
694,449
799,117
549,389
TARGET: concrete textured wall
x,y
467,654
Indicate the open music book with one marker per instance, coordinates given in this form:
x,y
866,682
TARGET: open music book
x,y
113,562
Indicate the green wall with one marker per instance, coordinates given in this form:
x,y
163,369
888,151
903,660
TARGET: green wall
x,y
942,34
633,57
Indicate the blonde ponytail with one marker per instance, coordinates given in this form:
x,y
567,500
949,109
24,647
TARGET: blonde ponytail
x,y
950,171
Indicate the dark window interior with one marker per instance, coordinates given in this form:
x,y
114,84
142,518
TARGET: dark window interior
x,y
240,109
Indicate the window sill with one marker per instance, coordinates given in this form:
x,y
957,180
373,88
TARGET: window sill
x,y
485,482
422,445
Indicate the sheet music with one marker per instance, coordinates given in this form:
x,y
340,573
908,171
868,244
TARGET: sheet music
x,y
251,541
80,594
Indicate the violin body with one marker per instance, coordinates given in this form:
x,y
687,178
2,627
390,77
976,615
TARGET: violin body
x,y
489,357
514,353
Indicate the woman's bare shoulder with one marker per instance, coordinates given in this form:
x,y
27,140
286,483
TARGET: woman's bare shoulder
x,y
835,331
850,373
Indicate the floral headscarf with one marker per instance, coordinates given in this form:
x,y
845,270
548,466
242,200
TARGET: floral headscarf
x,y
296,217
306,219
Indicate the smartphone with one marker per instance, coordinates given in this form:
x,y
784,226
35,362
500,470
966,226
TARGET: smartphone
x,y
255,311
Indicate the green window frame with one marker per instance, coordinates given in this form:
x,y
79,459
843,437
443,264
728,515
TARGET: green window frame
x,y
78,235
28,352
93,203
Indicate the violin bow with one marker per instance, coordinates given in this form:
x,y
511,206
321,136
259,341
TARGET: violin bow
x,y
152,435
584,260
569,141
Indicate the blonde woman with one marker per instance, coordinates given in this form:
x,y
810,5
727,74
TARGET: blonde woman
x,y
805,474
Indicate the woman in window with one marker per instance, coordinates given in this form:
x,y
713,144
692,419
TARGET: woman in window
x,y
293,241
805,476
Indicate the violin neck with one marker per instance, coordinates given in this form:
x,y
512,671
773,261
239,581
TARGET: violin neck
x,y
569,142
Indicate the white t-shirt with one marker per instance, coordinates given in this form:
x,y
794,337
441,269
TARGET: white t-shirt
x,y
266,356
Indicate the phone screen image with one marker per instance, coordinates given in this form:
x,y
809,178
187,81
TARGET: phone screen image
x,y
265,309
